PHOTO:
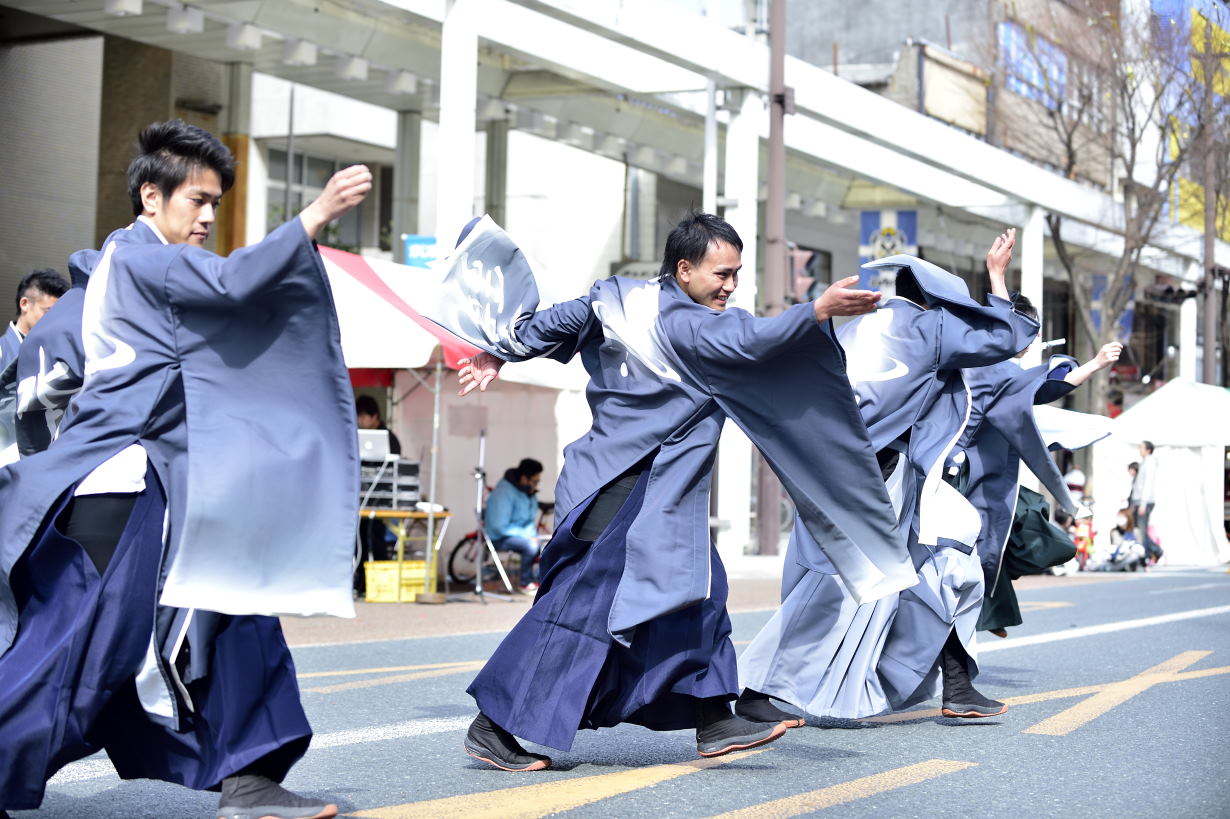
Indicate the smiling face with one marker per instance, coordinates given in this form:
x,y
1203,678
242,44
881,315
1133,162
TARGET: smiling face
x,y
187,215
711,282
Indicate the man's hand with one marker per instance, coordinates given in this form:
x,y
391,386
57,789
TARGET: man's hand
x,y
345,189
1108,355
1000,254
478,371
838,300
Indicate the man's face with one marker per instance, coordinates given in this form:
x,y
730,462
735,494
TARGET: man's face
x,y
1144,453
33,306
367,421
713,280
530,482
187,215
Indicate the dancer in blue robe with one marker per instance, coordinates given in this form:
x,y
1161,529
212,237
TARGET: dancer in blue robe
x,y
1001,434
37,293
143,552
630,622
825,651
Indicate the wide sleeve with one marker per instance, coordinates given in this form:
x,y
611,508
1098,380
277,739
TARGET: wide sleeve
x,y
200,279
50,371
557,332
975,336
788,391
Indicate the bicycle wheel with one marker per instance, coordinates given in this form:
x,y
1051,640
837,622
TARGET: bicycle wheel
x,y
461,561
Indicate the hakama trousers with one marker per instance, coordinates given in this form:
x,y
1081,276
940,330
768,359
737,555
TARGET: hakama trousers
x,y
67,683
559,669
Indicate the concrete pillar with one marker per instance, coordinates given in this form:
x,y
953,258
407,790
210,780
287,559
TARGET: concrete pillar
x,y
406,164
1189,318
709,183
497,170
742,187
641,214
231,230
458,115
1031,271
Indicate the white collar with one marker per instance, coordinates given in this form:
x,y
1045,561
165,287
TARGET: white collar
x,y
149,223
20,335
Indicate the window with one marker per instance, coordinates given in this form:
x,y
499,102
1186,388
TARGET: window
x,y
1034,67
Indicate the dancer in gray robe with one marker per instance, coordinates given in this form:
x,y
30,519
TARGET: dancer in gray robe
x,y
823,650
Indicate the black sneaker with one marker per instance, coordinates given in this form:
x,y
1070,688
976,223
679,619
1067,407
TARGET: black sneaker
x,y
734,734
757,707
249,796
490,743
973,706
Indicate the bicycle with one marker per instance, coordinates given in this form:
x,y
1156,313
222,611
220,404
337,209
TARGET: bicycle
x,y
462,559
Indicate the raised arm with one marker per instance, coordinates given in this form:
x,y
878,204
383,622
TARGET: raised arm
x,y
203,279
557,332
998,258
1106,356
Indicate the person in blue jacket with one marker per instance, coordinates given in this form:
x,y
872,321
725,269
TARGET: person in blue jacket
x,y
511,517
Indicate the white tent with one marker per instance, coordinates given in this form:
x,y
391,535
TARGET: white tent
x,y
1189,426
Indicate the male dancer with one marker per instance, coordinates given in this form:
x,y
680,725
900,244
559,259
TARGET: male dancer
x,y
1001,433
822,650
36,294
158,491
630,621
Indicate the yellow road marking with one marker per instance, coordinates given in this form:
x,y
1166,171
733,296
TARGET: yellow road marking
x,y
1068,720
528,801
1042,605
849,791
387,670
397,678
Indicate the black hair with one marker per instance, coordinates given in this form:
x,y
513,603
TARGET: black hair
x,y
1148,445
366,405
1134,466
528,468
690,239
907,287
1022,304
46,280
167,152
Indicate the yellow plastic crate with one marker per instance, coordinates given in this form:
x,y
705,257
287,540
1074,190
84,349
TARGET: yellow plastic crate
x,y
382,580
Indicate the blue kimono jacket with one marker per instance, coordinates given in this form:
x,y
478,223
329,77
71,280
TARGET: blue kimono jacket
x,y
228,372
1002,432
665,373
10,345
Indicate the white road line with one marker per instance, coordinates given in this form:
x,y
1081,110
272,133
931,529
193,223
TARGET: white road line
x,y
99,768
1105,628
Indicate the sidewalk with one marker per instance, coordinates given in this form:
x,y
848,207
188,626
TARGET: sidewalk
x,y
754,585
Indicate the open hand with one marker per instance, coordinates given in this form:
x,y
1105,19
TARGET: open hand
x,y
1000,253
839,300
344,190
478,371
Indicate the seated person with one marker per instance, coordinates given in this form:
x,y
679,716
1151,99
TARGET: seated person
x,y
510,517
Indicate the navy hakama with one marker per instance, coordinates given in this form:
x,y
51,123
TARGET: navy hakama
x,y
67,684
560,670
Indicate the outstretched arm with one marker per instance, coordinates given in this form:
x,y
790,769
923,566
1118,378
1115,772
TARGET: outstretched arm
x,y
998,258
839,300
1106,356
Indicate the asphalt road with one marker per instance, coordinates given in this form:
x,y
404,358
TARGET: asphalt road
x,y
1120,706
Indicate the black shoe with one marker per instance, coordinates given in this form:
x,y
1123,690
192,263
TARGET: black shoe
x,y
249,796
961,699
719,732
757,707
490,743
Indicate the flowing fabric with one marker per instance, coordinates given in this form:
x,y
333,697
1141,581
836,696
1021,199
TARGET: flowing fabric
x,y
559,669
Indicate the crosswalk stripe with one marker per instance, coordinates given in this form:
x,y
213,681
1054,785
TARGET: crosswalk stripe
x,y
527,801
851,791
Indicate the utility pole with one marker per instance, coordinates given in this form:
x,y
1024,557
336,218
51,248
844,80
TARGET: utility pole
x,y
1211,318
768,490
